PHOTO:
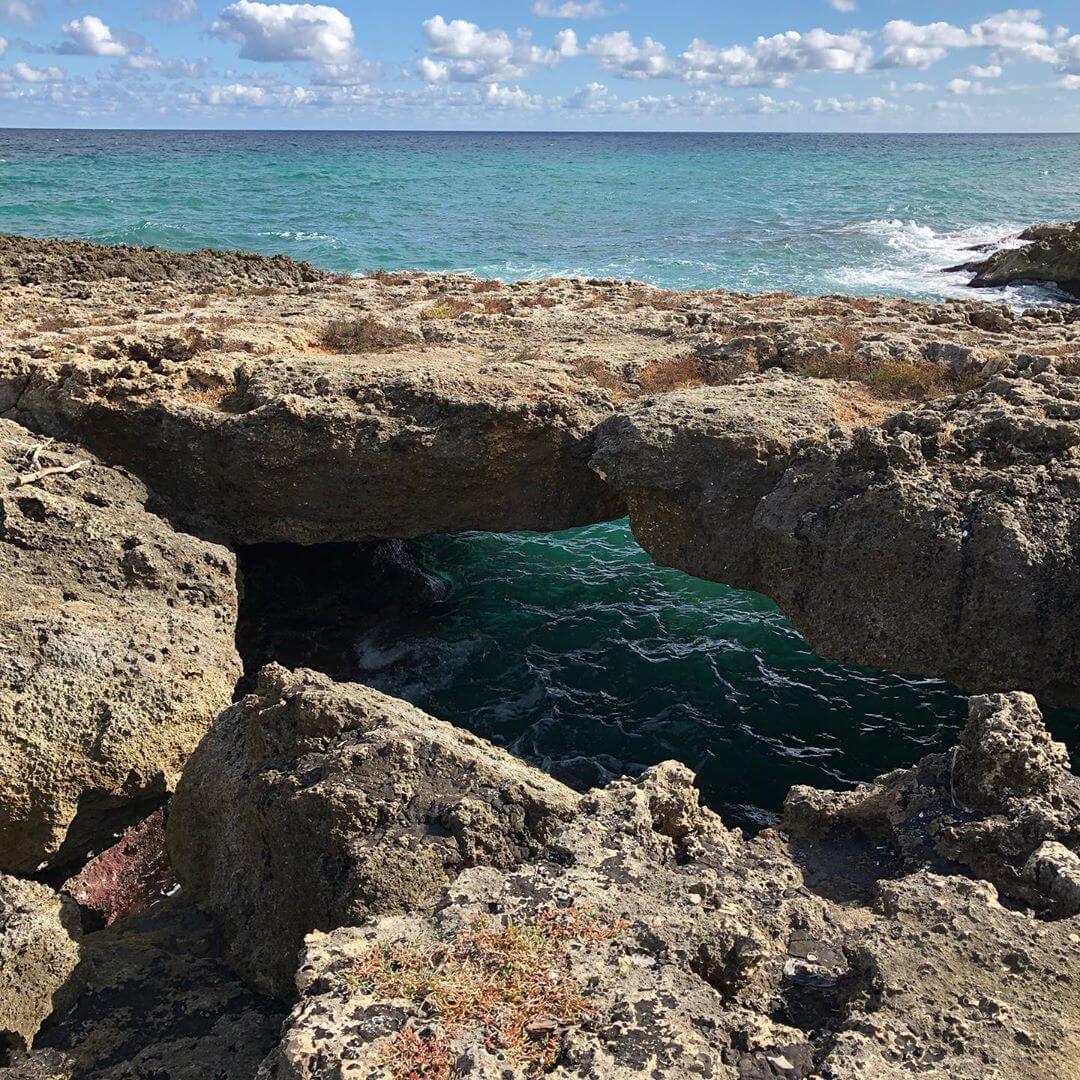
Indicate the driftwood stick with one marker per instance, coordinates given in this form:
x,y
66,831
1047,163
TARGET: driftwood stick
x,y
52,470
33,455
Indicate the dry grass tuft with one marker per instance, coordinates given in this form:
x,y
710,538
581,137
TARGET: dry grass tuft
x,y
391,277
450,308
486,286
497,305
509,983
364,334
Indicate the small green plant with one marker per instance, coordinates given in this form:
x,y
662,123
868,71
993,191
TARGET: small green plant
x,y
446,309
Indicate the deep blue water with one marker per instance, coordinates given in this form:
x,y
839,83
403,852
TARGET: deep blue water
x,y
574,649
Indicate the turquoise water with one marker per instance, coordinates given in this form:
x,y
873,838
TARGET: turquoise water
x,y
573,648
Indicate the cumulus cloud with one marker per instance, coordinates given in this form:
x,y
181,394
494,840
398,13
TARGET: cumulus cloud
x,y
619,53
869,106
770,61
274,32
89,36
989,71
508,97
845,6
460,51
570,9
1015,31
25,73
909,45
1069,82
175,11
256,96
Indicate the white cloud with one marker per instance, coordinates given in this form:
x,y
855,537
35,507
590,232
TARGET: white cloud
x,y
592,98
1068,54
570,9
990,71
1069,82
617,52
3,45
460,51
913,46
508,97
21,11
1015,31
271,32
764,105
845,6
89,36
175,11
960,86
25,73
870,106
770,61
255,96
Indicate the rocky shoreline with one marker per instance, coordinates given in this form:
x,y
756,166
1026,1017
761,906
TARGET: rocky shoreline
x,y
902,478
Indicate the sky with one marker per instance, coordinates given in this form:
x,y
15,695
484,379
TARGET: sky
x,y
819,65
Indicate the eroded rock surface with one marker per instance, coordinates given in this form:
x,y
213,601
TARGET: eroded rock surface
x,y
943,542
311,805
1050,254
116,649
155,1000
1003,804
39,948
694,464
702,955
287,407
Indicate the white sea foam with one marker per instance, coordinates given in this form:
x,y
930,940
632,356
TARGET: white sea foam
x,y
906,258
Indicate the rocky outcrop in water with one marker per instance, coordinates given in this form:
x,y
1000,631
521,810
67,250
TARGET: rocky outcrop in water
x,y
39,948
311,805
116,649
1050,254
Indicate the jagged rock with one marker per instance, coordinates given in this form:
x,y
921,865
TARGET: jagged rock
x,y
694,464
1051,254
692,938
26,260
39,948
116,650
156,1000
310,805
1000,803
943,542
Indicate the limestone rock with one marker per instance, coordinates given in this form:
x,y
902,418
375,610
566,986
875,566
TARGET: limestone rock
x,y
39,948
1051,254
943,542
156,1000
1001,804
694,464
116,650
688,934
311,805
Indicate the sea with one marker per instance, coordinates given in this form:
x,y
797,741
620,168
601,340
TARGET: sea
x,y
573,649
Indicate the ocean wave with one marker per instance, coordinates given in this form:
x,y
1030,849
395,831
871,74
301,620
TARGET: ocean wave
x,y
904,257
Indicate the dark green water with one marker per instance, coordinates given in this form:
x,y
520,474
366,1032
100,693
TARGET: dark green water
x,y
577,652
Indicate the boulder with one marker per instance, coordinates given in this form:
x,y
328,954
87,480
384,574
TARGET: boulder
x,y
39,949
942,543
116,650
311,805
694,464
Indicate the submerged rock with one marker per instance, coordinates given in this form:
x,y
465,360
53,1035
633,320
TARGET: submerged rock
x,y
116,650
311,805
39,949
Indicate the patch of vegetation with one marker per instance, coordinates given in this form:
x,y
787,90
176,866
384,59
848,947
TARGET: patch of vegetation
x,y
510,983
363,334
447,309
